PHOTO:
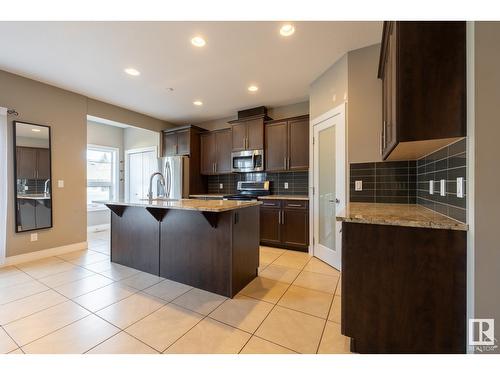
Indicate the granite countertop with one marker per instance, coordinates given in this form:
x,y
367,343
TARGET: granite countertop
x,y
406,215
285,197
33,196
186,204
207,195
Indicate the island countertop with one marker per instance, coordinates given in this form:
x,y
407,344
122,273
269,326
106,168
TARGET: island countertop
x,y
186,204
408,215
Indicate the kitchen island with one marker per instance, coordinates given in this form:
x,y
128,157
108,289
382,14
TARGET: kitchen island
x,y
209,244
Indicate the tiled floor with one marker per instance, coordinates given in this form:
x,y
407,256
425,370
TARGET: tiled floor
x,y
82,303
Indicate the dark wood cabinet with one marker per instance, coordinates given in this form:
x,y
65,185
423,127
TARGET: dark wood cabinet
x,y
403,289
43,163
287,144
285,223
248,134
33,163
180,141
170,144
423,72
183,142
216,152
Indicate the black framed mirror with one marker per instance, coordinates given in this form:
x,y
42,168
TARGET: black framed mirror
x,y
32,176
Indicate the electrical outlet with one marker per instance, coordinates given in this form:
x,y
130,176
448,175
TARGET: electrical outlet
x,y
221,186
358,186
442,188
34,237
286,185
431,187
460,187
26,188
60,183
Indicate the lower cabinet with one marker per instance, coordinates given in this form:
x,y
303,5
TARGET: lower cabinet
x,y
285,223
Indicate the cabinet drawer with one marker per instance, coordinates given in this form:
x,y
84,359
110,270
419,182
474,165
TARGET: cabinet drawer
x,y
271,203
303,205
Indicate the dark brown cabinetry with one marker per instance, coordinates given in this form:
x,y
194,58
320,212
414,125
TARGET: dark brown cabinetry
x,y
422,67
181,140
248,134
287,144
403,289
285,223
33,163
216,152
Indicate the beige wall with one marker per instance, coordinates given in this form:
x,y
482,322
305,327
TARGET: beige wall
x,y
487,176
330,89
138,138
364,109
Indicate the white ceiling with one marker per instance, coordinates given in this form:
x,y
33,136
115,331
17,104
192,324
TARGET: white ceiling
x,y
89,58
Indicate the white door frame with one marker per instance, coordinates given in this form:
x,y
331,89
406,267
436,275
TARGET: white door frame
x,y
127,165
341,140
3,189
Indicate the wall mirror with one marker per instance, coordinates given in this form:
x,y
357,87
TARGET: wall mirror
x,y
32,169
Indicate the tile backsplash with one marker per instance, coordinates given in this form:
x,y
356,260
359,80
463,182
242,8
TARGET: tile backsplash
x,y
297,182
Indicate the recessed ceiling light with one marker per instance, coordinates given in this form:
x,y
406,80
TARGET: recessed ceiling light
x,y
198,41
35,130
198,102
132,72
252,88
287,29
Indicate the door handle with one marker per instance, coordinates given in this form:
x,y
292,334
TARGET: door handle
x,y
284,162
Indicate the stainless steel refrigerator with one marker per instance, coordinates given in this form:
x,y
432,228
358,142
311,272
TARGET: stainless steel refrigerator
x,y
175,169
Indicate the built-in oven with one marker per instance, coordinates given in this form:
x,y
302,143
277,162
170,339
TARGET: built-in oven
x,y
247,161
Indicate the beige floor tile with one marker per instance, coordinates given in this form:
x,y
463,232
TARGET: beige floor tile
x,y
33,327
18,291
292,329
14,279
242,312
292,259
99,266
76,254
256,345
163,327
43,270
210,337
198,300
105,296
168,290
75,338
85,285
131,309
316,265
17,351
141,280
9,271
66,277
268,256
265,289
90,258
307,300
279,273
333,342
317,281
338,291
6,343
335,310
118,272
122,343
271,250
29,305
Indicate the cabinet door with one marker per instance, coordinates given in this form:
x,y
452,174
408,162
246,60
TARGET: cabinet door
x,y
391,125
276,146
169,144
208,152
298,144
255,134
223,151
183,142
239,136
26,164
295,228
270,227
43,163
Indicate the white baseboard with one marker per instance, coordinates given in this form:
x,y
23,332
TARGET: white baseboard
x,y
98,228
35,255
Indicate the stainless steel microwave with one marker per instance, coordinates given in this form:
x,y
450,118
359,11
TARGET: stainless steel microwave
x,y
247,161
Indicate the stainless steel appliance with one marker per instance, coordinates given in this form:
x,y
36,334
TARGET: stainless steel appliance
x,y
175,169
249,190
247,161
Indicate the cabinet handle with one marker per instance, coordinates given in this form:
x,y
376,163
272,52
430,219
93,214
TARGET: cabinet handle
x,y
279,217
284,163
288,163
215,167
294,205
282,217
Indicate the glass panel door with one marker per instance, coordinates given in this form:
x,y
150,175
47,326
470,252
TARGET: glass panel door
x,y
326,187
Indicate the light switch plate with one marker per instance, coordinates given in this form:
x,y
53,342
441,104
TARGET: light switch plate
x,y
431,187
34,237
286,185
460,187
358,185
442,188
221,186
60,183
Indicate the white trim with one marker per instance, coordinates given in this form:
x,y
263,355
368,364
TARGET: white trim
x,y
4,178
127,172
116,172
3,111
98,228
328,114
35,255
104,121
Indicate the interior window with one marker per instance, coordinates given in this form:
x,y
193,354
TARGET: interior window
x,y
101,176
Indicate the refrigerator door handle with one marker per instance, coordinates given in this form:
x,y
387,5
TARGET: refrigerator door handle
x,y
169,179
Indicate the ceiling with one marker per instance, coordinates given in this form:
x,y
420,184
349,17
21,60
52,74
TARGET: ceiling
x,y
90,57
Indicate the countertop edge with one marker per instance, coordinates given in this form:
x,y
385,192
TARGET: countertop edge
x,y
246,204
411,224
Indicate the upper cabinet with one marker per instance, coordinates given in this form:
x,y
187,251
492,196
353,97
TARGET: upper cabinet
x,y
180,141
248,134
216,152
423,72
287,144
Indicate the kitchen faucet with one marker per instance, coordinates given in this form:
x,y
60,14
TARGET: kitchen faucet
x,y
162,183
46,187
